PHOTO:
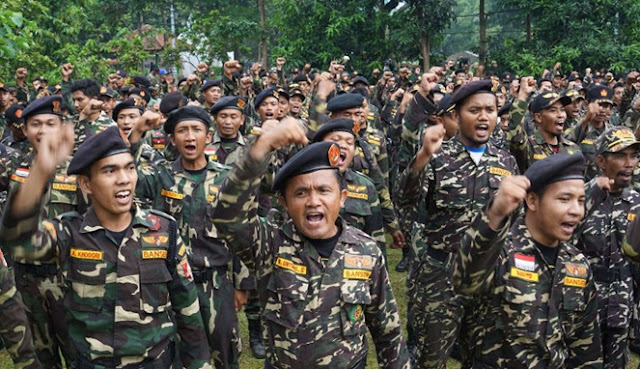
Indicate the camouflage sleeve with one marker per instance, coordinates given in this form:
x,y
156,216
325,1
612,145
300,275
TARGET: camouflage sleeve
x,y
383,321
517,136
383,160
373,224
243,280
229,86
235,211
631,243
386,205
193,344
317,115
583,335
627,97
66,95
631,119
410,185
14,326
281,79
480,248
578,133
388,112
191,91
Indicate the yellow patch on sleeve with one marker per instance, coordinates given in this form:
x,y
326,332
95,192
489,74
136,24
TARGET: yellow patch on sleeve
x,y
575,282
182,250
86,254
499,171
64,187
171,194
154,254
539,156
290,265
50,228
587,142
355,195
523,274
356,274
631,217
17,178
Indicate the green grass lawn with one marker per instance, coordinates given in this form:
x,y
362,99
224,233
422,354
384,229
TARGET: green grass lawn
x,y
397,280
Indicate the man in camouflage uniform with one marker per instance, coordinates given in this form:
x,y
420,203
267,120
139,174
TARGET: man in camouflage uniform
x,y
114,250
548,113
313,265
361,209
536,293
594,123
90,119
184,190
14,325
227,148
601,238
573,110
211,92
40,282
450,184
17,140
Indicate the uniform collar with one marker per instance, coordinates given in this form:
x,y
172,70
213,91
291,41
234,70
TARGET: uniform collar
x,y
90,222
217,140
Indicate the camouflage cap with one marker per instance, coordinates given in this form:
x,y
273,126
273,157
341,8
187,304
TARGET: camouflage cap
x,y
107,91
109,142
317,156
574,94
337,125
616,139
555,168
546,100
294,90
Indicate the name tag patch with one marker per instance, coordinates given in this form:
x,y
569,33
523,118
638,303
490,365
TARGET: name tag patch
x,y
523,274
171,194
539,156
575,282
154,254
64,187
356,195
499,171
290,265
86,254
356,274
631,217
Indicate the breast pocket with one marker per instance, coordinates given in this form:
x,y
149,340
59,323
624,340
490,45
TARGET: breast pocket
x,y
64,190
355,297
87,280
520,313
154,293
451,193
287,293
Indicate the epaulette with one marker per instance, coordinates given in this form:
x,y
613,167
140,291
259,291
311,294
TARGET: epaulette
x,y
162,214
220,167
69,215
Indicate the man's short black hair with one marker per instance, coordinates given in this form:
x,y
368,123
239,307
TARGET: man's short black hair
x,y
88,86
543,80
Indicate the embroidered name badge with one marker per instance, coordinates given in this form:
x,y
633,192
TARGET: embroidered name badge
x,y
356,195
290,265
358,262
64,187
171,194
20,175
523,274
575,282
356,274
587,142
154,254
631,217
499,171
86,254
539,156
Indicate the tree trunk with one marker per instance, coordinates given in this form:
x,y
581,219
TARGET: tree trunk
x,y
425,48
263,35
528,27
483,34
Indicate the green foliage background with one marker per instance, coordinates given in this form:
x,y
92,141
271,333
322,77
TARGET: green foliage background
x,y
97,35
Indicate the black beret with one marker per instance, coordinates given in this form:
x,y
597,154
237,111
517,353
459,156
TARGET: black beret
x,y
317,156
360,91
555,168
43,105
600,94
338,124
14,115
125,90
471,88
547,99
228,102
172,101
269,92
294,90
127,104
54,89
504,110
3,87
344,102
210,83
300,78
121,73
109,142
444,106
106,91
142,92
360,79
41,79
141,81
507,77
186,113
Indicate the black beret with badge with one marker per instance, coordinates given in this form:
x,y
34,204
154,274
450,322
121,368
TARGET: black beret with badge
x,y
300,78
127,104
361,80
172,101
555,168
317,156
294,90
109,142
210,83
186,113
43,105
600,94
142,92
344,102
546,100
106,91
445,106
3,87
282,92
471,88
13,115
337,125
269,92
228,102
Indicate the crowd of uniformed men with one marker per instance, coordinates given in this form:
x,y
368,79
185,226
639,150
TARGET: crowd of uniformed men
x,y
141,215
